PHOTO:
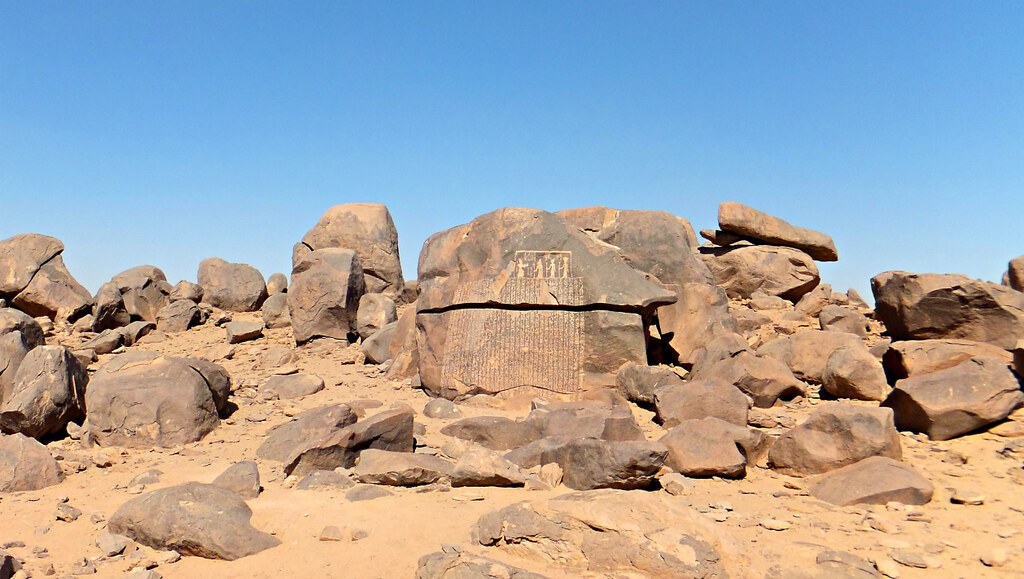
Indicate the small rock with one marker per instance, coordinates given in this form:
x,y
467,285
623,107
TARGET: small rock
x,y
441,408
775,524
909,559
242,331
367,493
332,533
68,513
112,545
967,497
995,558
887,567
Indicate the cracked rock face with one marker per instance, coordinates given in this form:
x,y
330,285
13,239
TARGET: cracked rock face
x,y
141,400
612,531
519,298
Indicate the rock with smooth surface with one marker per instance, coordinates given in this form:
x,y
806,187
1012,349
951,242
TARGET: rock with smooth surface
x,y
193,519
54,293
854,373
277,283
19,334
291,386
836,435
241,478
282,441
178,316
242,331
749,222
948,306
482,467
1015,273
391,430
703,448
374,312
807,351
49,391
235,287
403,469
776,271
26,465
911,357
186,290
323,299
21,257
377,346
700,398
955,401
876,480
765,380
275,312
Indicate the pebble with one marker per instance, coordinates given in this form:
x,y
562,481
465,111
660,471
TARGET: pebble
x,y
995,558
887,567
909,559
967,497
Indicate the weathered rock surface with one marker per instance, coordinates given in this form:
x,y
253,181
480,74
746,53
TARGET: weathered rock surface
x,y
49,391
1015,273
26,465
323,299
108,311
193,519
700,313
186,290
948,403
404,469
704,447
19,334
612,532
242,331
833,318
143,296
590,463
366,229
875,480
377,346
275,311
21,257
514,271
807,351
241,478
462,565
178,316
150,272
139,399
854,373
54,293
746,221
700,398
235,287
294,385
390,430
949,306
482,467
284,440
911,357
374,312
777,271
834,436
639,382
764,379
277,283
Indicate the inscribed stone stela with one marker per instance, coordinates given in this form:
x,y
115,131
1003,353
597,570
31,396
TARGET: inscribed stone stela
x,y
496,350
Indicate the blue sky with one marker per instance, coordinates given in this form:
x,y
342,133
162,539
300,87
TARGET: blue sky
x,y
165,133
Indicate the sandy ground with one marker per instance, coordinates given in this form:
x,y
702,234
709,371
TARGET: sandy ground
x,y
951,539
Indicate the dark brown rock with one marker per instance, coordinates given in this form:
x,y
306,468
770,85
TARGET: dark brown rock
x,y
54,293
389,430
374,312
193,519
323,299
108,311
777,271
242,331
950,306
21,257
26,465
875,480
590,463
186,290
746,221
235,287
178,316
284,440
854,373
948,403
403,469
49,391
909,358
241,478
19,334
834,436
143,297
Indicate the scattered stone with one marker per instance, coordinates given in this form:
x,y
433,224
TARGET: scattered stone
x,y
367,493
284,440
401,468
235,287
996,557
844,564
391,430
178,316
242,331
875,480
675,484
68,513
26,465
909,558
324,479
441,408
241,478
967,497
775,524
479,467
294,385
639,382
112,545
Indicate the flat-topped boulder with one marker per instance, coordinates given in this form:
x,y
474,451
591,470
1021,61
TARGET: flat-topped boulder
x,y
749,222
948,306
911,357
521,298
876,480
368,230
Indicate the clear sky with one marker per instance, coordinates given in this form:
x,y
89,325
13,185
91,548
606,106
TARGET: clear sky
x,y
168,132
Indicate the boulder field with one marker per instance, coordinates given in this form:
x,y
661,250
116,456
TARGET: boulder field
x,y
588,393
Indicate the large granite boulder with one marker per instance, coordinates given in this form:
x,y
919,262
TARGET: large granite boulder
x,y
19,334
520,298
836,435
26,465
954,401
748,222
1015,273
21,257
876,480
374,312
323,299
700,398
613,533
194,519
108,311
854,373
776,271
700,314
390,430
150,272
178,316
284,440
764,379
922,306
710,447
911,357
806,352
140,399
49,391
366,229
235,287
54,293
591,463
143,292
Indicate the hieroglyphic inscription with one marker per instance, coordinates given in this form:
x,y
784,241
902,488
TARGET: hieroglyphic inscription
x,y
500,349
